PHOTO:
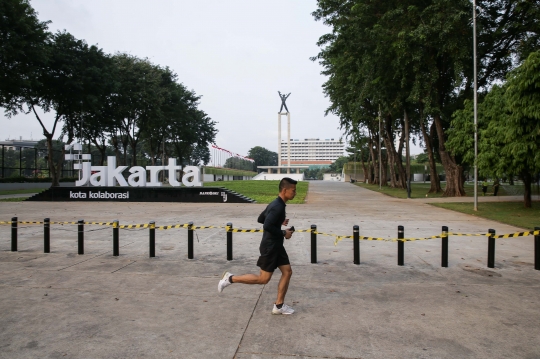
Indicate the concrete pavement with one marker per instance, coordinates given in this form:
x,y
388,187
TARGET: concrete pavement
x,y
63,305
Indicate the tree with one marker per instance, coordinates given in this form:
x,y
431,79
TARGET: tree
x,y
412,59
263,157
338,164
509,127
22,53
68,84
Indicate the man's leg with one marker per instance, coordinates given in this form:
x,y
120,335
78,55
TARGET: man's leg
x,y
286,273
262,278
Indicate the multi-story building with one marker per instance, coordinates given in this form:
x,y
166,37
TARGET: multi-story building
x,y
312,151
15,145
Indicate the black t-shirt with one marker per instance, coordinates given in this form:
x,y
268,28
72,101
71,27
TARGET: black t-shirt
x,y
272,218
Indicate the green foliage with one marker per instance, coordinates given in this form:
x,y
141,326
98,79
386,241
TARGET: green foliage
x,y
338,164
509,127
263,157
416,58
239,164
22,52
138,106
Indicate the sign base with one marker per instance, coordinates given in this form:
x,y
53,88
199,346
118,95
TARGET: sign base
x,y
141,194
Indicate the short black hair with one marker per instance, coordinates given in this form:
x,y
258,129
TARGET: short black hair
x,y
286,182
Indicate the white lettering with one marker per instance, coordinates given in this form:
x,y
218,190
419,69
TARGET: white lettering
x,y
77,194
194,173
115,173
172,168
112,175
86,171
101,173
138,177
154,171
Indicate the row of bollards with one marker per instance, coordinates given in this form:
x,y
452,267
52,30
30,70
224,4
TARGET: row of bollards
x,y
356,242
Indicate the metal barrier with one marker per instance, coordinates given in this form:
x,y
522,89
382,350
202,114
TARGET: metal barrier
x,y
444,236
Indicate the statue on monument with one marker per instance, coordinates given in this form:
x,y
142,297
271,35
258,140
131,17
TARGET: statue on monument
x,y
283,99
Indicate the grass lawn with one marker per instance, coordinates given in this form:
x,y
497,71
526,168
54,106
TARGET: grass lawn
x,y
419,190
21,191
512,213
18,199
261,191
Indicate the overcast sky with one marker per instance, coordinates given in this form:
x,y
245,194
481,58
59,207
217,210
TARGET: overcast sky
x,y
236,54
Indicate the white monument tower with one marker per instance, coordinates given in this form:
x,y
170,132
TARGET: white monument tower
x,y
280,113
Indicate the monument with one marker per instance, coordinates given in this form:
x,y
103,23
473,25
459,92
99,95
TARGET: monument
x,y
273,176
280,113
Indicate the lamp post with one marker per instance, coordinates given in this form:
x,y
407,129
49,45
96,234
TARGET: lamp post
x,y
475,113
380,150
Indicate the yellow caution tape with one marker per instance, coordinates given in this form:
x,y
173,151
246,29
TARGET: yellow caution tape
x,y
100,223
206,227
468,234
131,226
173,226
518,234
245,230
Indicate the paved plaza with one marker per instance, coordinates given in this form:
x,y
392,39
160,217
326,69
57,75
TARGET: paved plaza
x,y
65,305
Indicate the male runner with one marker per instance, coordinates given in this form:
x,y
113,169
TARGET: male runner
x,y
273,254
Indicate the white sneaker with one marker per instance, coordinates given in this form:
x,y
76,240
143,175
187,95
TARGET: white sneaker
x,y
224,282
285,309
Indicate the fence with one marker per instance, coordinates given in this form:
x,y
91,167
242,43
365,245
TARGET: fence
x,y
229,230
29,162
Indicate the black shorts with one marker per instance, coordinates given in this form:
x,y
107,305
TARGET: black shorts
x,y
272,257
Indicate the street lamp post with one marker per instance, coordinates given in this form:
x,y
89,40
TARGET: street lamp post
x,y
475,113
380,150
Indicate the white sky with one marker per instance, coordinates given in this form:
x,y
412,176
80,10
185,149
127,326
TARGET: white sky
x,y
237,54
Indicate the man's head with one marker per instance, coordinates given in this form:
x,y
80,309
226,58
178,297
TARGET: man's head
x,y
287,188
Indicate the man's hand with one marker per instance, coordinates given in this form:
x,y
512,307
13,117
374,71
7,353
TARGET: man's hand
x,y
288,233
285,222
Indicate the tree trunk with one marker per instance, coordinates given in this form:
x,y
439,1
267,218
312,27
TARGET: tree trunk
x,y
114,140
102,154
407,153
454,172
402,172
435,184
375,179
394,157
527,182
363,166
390,154
52,169
134,149
384,170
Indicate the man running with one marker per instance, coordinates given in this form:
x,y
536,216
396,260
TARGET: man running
x,y
273,254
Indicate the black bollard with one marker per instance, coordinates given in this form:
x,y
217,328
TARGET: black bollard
x,y
537,249
313,243
47,235
229,241
491,248
14,234
152,239
190,240
356,244
444,255
401,246
116,238
80,239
